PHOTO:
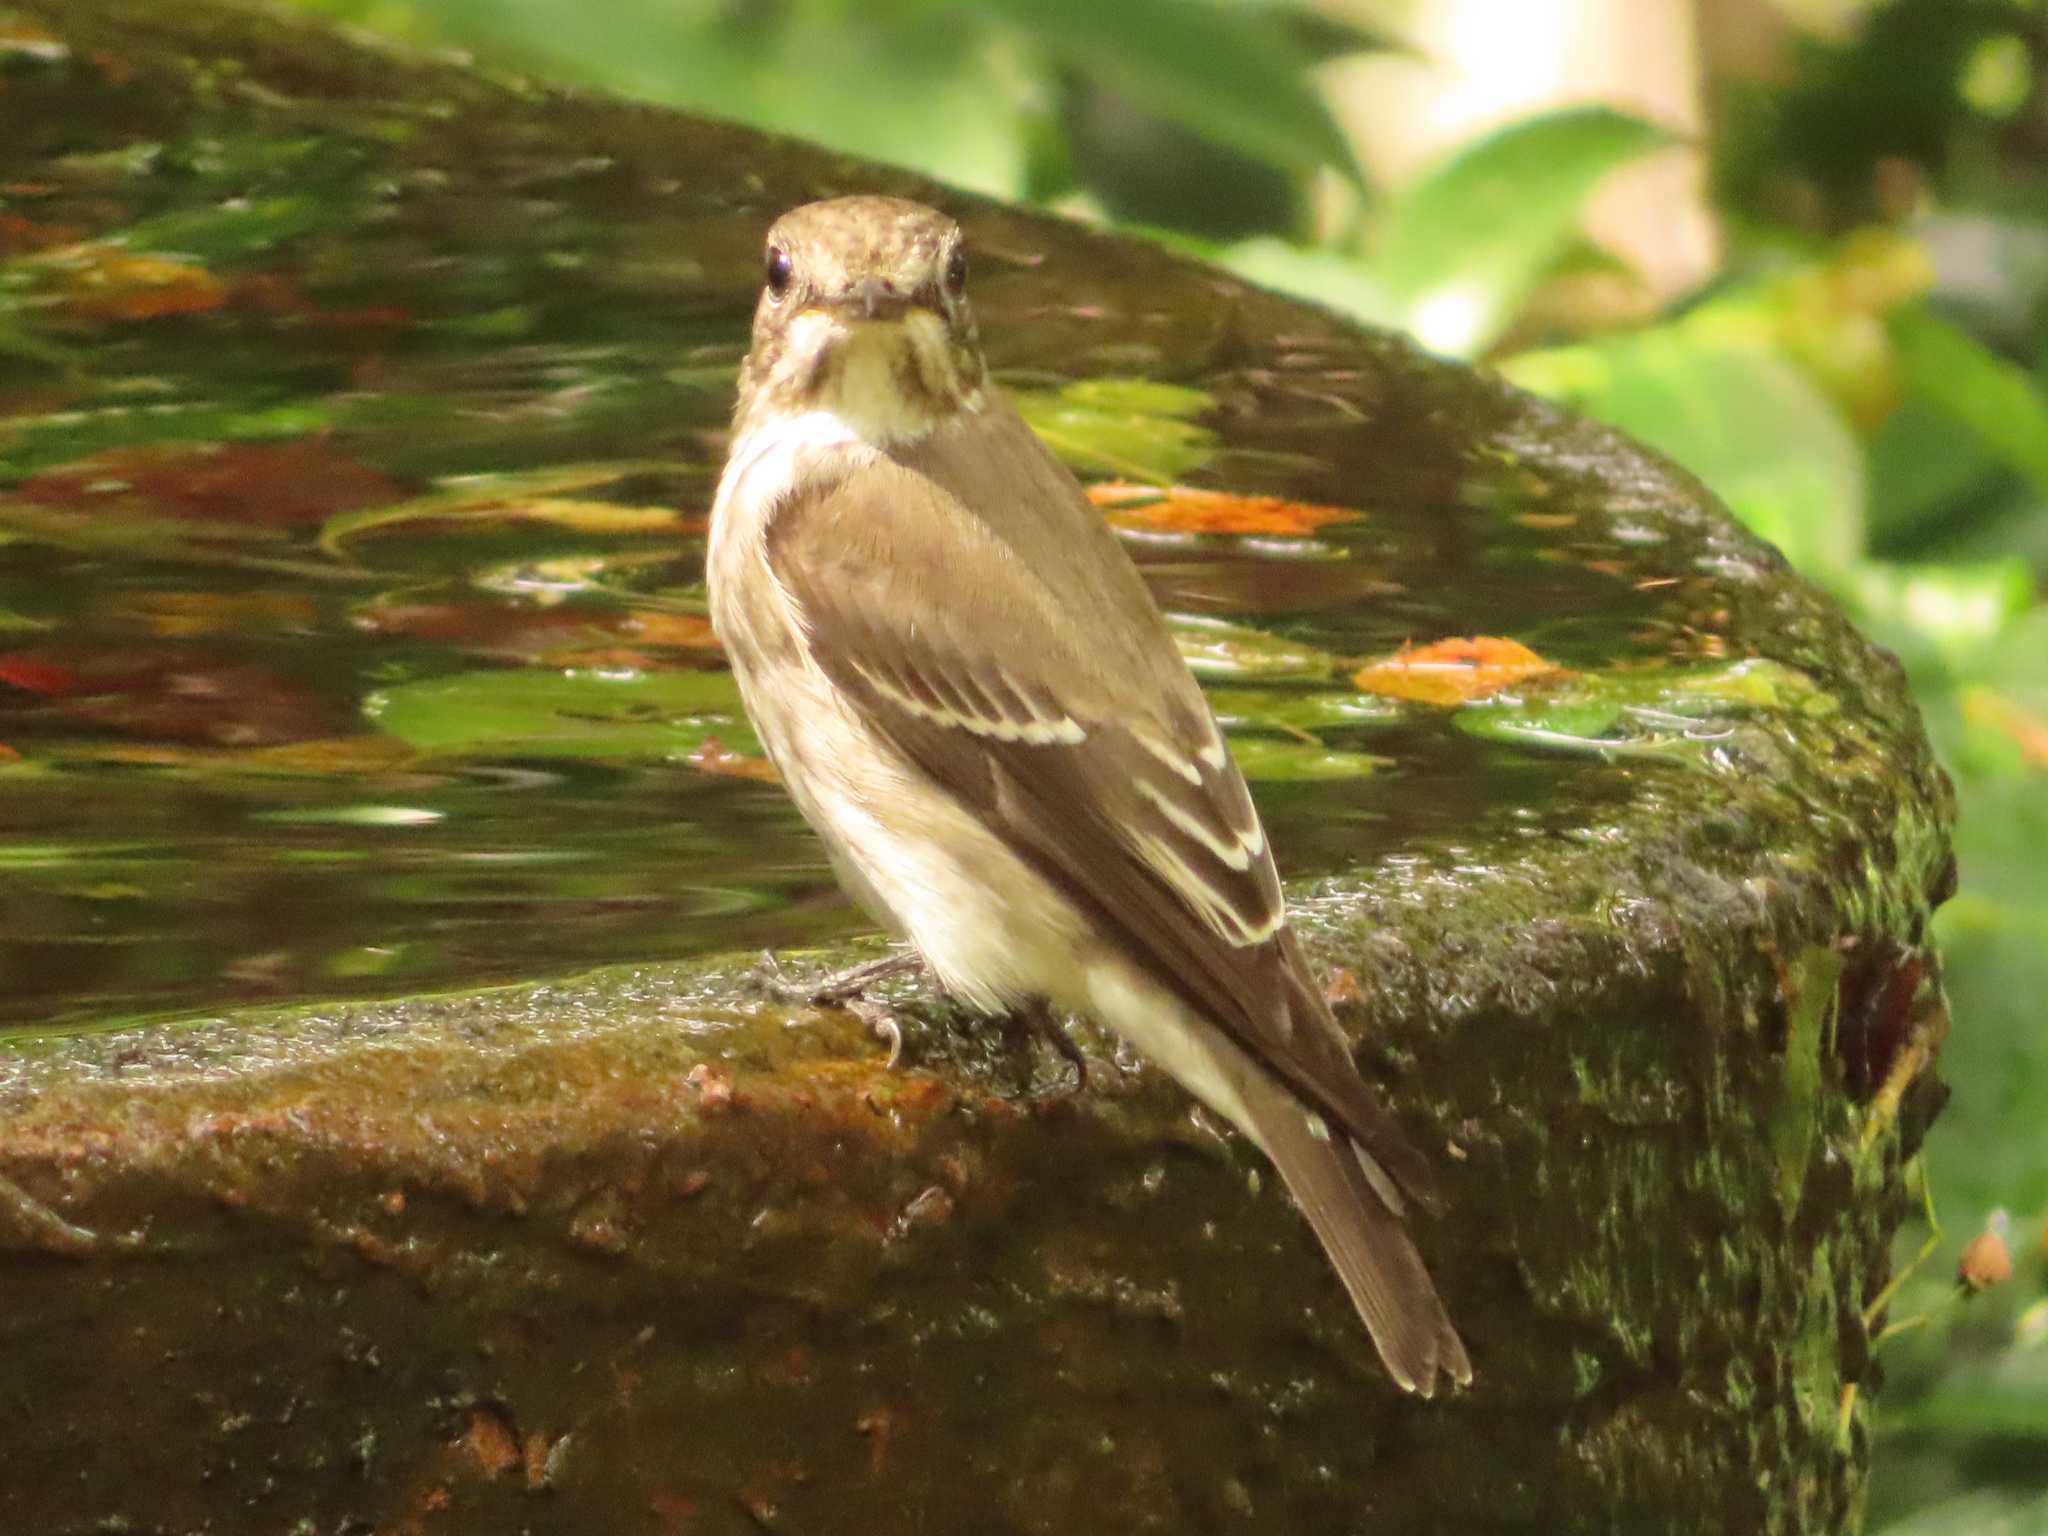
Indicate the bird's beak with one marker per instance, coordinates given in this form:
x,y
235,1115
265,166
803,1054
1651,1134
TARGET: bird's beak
x,y
869,295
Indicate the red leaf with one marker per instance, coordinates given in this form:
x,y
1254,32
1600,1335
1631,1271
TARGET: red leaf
x,y
36,676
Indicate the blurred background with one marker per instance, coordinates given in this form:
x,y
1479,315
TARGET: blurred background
x,y
1799,245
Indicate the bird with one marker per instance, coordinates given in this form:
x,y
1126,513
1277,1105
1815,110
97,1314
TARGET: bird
x,y
974,700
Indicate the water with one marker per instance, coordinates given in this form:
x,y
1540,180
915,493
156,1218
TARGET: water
x,y
238,325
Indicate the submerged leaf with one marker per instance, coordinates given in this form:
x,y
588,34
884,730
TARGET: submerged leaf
x,y
659,716
507,499
1280,760
1184,509
1653,712
1456,671
1218,648
1130,428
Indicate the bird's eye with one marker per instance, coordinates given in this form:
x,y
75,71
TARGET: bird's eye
x,y
780,270
956,271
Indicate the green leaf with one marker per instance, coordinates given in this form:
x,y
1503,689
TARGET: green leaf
x,y
659,716
1279,760
1965,380
1129,428
1949,613
1279,709
1752,426
1667,714
1218,648
544,496
1226,72
1465,246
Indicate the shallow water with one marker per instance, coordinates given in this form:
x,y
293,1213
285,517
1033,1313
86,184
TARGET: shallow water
x,y
239,323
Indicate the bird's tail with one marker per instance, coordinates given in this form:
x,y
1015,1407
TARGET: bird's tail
x,y
1357,1212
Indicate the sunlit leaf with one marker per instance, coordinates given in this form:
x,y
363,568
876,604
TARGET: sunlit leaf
x,y
1674,712
1952,612
662,716
1279,760
1129,428
542,495
1463,247
1184,509
1455,671
1286,709
1220,649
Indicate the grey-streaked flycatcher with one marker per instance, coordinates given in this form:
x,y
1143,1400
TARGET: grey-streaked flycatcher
x,y
973,698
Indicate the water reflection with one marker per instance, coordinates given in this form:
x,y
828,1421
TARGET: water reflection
x,y
248,379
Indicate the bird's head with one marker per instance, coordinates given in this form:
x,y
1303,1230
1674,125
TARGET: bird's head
x,y
864,314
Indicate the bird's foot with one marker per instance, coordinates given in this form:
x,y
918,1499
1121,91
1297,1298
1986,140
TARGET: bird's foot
x,y
882,1024
1038,1017
847,990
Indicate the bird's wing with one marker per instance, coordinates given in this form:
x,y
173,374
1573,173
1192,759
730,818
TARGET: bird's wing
x,y
1019,661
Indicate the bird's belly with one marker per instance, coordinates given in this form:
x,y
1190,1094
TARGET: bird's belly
x,y
991,928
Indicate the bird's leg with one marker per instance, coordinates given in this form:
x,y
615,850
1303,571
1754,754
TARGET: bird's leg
x,y
836,990
1037,1015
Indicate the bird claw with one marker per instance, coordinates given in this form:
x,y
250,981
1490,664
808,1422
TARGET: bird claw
x,y
882,1024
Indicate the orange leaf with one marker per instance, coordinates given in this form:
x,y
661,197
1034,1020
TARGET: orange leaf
x,y
680,631
1452,672
713,756
114,285
8,754
1183,509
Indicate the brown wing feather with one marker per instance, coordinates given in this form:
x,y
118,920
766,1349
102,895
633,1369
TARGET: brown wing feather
x,y
1051,699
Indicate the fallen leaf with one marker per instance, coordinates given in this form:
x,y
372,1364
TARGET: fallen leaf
x,y
33,675
491,1440
176,615
713,756
1184,509
517,497
1216,648
168,697
102,283
1453,672
678,631
8,754
266,484
19,235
